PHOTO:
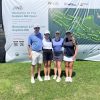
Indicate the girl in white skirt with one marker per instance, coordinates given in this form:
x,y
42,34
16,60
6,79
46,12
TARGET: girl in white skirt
x,y
70,52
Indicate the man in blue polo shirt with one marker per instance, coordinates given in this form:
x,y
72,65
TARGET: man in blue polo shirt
x,y
35,51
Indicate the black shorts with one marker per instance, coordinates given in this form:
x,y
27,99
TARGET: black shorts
x,y
47,55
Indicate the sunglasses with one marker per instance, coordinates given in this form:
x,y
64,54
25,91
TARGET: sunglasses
x,y
37,28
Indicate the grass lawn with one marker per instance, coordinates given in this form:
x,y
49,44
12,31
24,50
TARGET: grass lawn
x,y
15,83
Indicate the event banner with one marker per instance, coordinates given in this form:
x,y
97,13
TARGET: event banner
x,y
82,17
19,17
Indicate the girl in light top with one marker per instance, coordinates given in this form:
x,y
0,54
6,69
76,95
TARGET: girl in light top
x,y
47,54
70,52
57,43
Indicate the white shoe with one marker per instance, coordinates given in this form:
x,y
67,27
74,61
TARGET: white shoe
x,y
32,80
54,77
48,77
67,79
45,78
58,79
70,79
39,78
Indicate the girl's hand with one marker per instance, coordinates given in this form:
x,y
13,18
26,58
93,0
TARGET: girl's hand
x,y
74,57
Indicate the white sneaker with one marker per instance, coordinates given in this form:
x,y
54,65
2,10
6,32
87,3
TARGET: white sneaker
x,y
39,78
70,79
58,79
54,77
45,78
67,79
32,80
48,77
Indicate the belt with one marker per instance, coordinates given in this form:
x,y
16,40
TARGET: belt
x,y
37,51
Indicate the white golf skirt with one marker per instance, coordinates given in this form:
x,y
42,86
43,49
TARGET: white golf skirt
x,y
70,59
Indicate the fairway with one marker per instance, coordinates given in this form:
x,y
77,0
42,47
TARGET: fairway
x,y
15,83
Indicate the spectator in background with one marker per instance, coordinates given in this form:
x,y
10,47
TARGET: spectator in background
x,y
47,54
35,51
57,43
70,52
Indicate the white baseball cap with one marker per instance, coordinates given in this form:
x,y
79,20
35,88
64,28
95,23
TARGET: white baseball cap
x,y
57,32
47,32
36,25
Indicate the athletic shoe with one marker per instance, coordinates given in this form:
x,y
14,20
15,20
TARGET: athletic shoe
x,y
67,79
54,77
70,79
45,78
48,77
32,80
58,79
39,78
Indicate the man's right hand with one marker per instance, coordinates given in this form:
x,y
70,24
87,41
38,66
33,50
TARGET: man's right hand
x,y
30,56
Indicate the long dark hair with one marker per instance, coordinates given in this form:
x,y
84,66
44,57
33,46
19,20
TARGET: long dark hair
x,y
72,38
